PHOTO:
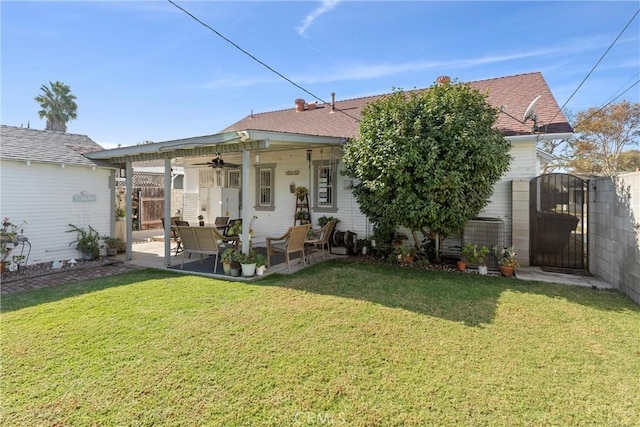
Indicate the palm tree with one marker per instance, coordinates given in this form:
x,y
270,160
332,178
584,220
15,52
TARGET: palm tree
x,y
58,106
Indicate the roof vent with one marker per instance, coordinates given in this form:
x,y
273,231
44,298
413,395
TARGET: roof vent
x,y
333,102
299,104
443,80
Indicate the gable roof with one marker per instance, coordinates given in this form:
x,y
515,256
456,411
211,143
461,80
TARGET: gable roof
x,y
514,93
22,144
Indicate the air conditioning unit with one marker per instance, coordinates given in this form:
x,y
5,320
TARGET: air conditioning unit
x,y
487,232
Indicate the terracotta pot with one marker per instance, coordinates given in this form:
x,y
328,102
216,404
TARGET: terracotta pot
x,y
462,265
506,270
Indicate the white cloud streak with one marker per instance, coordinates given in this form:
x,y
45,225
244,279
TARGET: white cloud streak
x,y
325,7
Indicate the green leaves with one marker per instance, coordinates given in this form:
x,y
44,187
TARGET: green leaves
x,y
427,158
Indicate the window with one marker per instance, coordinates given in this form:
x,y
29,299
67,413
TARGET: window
x,y
234,178
325,187
265,187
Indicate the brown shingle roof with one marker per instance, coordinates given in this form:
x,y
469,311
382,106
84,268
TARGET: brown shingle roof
x,y
515,93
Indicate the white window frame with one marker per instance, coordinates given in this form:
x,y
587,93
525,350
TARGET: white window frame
x,y
261,204
325,186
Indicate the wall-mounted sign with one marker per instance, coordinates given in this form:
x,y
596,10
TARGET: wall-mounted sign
x,y
84,197
295,172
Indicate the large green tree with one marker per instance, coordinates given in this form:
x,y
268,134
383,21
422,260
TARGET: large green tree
x,y
603,136
58,105
427,160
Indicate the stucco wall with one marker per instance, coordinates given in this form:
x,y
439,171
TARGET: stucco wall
x,y
614,231
42,194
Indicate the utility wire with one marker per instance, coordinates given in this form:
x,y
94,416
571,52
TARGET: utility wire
x,y
594,67
606,105
257,60
615,94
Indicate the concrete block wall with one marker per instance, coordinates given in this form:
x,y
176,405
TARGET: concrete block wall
x,y
614,231
520,220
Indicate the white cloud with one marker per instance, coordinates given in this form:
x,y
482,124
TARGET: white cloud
x,y
325,7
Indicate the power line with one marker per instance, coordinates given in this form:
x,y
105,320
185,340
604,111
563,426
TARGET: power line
x,y
606,105
594,67
258,60
621,87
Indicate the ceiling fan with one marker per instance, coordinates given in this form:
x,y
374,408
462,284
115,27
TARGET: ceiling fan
x,y
217,163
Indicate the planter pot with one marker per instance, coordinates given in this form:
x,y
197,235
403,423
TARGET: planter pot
x,y
235,271
201,223
112,251
261,270
506,270
248,270
226,267
482,270
462,265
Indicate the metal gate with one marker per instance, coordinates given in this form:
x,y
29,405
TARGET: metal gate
x,y
558,222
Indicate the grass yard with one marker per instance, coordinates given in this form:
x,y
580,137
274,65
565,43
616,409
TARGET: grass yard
x,y
336,344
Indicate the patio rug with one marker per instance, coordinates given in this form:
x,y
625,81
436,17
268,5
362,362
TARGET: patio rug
x,y
193,263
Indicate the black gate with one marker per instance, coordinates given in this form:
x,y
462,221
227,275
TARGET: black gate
x,y
558,222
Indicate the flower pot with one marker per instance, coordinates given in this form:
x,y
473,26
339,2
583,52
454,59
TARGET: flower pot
x,y
261,270
201,223
235,271
462,265
506,270
482,270
248,270
112,251
226,268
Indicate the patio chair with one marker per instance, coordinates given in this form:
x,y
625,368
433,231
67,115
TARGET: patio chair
x,y
291,242
221,223
323,236
174,233
199,240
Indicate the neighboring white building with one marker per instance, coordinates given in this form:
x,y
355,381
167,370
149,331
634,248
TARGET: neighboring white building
x,y
46,181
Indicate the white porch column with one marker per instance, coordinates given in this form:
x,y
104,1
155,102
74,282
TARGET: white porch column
x,y
129,208
246,211
167,212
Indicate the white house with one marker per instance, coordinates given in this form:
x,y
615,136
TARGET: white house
x,y
275,151
48,182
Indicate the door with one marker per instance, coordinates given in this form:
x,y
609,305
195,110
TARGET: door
x,y
558,222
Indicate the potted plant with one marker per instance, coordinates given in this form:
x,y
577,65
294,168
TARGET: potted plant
x,y
261,264
301,193
8,240
406,254
87,242
113,244
201,220
478,256
323,220
507,261
227,257
468,251
120,214
248,263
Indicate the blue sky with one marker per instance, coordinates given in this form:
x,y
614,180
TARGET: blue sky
x,y
146,71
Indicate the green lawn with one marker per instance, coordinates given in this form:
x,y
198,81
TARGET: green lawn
x,y
336,344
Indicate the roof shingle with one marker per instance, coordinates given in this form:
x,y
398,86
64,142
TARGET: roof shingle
x,y
24,144
514,93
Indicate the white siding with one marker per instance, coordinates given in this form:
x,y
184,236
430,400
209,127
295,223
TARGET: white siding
x,y
523,166
276,222
42,195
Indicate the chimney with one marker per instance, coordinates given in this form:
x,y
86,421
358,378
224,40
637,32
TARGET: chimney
x,y
443,80
333,102
299,104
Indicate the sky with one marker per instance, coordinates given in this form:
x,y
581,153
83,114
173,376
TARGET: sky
x,y
147,71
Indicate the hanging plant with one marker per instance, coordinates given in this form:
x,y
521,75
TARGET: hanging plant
x,y
301,192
